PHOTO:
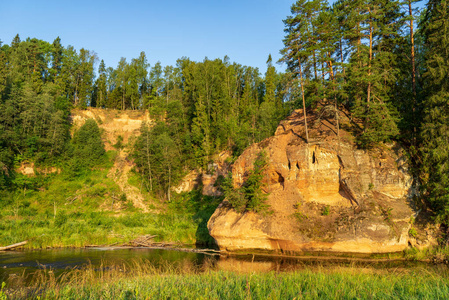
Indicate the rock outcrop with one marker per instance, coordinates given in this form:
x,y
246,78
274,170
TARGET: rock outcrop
x,y
206,179
325,195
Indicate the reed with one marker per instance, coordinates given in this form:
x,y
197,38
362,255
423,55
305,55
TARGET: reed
x,y
139,279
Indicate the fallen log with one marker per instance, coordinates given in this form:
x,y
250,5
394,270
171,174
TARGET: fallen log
x,y
13,246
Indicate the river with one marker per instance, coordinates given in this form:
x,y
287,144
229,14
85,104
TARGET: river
x,y
24,263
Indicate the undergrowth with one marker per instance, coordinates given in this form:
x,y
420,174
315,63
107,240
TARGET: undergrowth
x,y
142,280
89,209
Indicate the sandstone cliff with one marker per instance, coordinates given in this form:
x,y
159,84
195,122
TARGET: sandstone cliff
x,y
327,195
115,124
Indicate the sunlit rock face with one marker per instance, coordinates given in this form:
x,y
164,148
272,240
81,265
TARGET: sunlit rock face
x,y
325,195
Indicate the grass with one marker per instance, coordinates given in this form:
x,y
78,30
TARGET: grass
x,y
141,280
438,254
57,211
96,228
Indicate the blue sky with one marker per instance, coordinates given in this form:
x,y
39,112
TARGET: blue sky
x,y
245,30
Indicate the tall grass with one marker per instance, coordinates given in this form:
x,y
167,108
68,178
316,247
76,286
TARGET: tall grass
x,y
141,280
97,228
56,211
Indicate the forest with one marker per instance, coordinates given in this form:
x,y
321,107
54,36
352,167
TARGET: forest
x,y
383,61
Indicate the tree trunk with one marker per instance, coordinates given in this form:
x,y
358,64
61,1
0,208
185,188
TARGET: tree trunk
x,y
13,246
303,100
148,160
314,65
331,72
369,72
412,42
169,183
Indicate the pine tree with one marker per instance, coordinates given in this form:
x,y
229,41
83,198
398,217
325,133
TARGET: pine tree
x,y
268,112
300,51
3,69
371,31
56,63
435,128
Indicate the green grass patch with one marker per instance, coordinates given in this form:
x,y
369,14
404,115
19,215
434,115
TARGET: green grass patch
x,y
78,213
184,281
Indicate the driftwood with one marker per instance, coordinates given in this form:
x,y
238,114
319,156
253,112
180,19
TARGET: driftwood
x,y
142,241
146,241
13,246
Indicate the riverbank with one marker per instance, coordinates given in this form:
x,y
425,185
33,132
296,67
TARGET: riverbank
x,y
85,211
186,281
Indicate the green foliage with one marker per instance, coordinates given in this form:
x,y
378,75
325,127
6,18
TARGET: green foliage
x,y
60,219
87,143
87,149
326,210
300,216
183,282
412,232
235,196
249,197
435,128
157,154
119,144
2,293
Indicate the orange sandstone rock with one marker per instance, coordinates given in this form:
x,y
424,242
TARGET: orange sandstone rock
x,y
327,195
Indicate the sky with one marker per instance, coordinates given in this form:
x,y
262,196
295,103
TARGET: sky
x,y
245,30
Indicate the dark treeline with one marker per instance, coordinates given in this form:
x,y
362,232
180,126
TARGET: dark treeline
x,y
383,61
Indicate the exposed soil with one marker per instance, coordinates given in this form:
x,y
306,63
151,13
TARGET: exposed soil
x,y
115,123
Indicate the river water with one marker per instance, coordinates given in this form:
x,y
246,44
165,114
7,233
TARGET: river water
x,y
23,263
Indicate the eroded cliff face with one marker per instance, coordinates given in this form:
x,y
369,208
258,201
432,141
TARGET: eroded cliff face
x,y
126,124
326,195
206,179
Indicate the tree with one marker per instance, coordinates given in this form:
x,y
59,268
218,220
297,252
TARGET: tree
x,y
250,196
88,148
101,86
158,158
372,28
122,81
300,45
269,113
435,128
57,59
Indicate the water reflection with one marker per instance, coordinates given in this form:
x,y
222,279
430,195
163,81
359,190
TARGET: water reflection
x,y
20,264
254,263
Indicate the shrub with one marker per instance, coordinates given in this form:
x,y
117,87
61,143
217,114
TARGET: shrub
x,y
88,147
412,232
2,294
61,219
249,197
326,210
132,221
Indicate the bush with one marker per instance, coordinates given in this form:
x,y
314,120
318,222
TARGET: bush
x,y
61,219
100,220
88,147
132,221
249,197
